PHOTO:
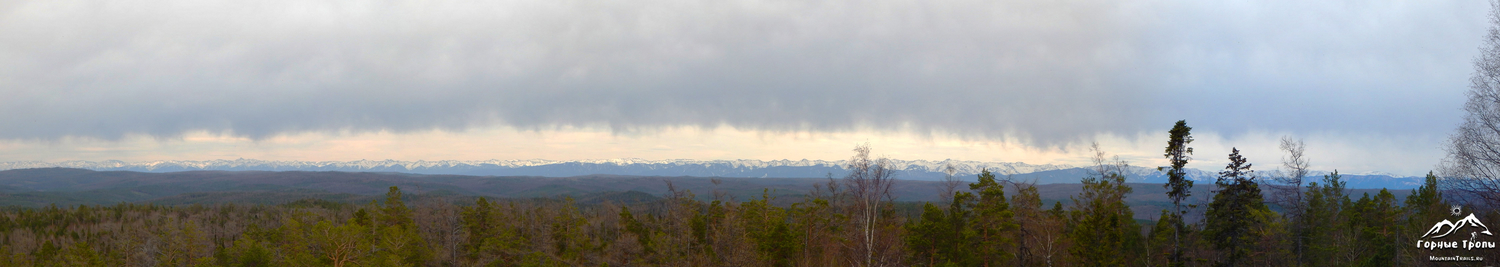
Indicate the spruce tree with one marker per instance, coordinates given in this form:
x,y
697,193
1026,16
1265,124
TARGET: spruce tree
x,y
1231,215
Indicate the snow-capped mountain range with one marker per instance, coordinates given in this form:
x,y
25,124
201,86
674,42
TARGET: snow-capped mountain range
x,y
909,169
541,167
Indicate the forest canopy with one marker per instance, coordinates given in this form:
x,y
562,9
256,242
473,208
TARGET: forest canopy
x,y
845,221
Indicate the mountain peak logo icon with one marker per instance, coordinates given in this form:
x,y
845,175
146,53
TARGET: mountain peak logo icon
x,y
1446,227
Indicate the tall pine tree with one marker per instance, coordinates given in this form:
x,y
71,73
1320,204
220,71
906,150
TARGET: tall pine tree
x,y
1326,203
993,221
1178,187
1424,207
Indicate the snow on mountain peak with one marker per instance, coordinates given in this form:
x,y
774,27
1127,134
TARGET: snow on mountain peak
x,y
962,167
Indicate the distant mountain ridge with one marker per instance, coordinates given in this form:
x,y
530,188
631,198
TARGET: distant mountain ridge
x,y
539,167
909,169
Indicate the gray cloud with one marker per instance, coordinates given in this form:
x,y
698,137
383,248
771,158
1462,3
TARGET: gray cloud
x,y
1045,71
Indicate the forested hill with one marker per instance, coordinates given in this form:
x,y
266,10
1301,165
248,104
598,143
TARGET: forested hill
x,y
64,186
906,169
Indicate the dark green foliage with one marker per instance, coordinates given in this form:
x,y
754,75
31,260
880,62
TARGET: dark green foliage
x,y
1159,241
1422,208
246,252
481,225
315,203
1231,216
634,227
1179,188
770,228
699,225
944,237
992,222
1325,213
976,229
1178,153
394,211
925,238
1376,229
1426,201
1103,222
48,252
81,254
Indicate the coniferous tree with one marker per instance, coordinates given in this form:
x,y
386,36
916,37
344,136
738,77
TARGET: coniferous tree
x,y
959,248
993,221
976,230
1374,232
398,229
818,221
395,212
1422,208
926,236
486,232
1179,188
942,237
1232,214
767,226
1325,212
635,227
1037,233
1101,218
1159,241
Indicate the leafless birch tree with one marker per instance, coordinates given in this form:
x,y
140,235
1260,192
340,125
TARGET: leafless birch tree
x,y
869,185
1472,167
1287,191
949,185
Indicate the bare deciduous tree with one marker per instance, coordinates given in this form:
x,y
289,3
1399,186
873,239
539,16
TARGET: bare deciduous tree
x,y
1472,166
869,187
949,185
1287,191
1105,165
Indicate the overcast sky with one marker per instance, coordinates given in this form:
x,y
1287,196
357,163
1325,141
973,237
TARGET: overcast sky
x,y
1370,85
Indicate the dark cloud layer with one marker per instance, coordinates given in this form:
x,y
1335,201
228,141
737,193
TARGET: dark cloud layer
x,y
1043,71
